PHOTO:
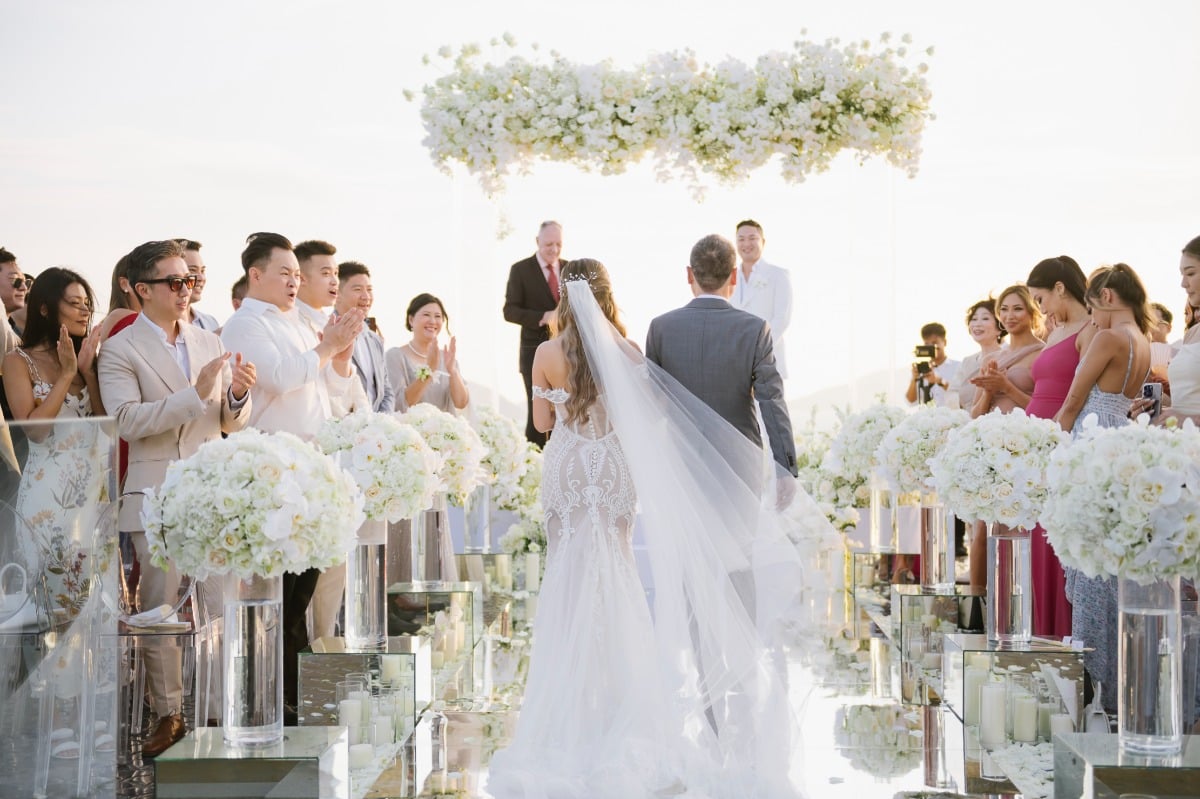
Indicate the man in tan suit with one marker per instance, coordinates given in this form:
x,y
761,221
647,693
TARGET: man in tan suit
x,y
171,387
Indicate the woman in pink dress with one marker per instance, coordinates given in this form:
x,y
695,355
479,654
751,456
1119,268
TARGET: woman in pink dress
x,y
1058,286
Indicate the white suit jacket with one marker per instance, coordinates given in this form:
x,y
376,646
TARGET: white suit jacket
x,y
157,407
767,295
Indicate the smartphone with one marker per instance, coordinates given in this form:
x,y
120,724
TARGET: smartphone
x,y
1153,391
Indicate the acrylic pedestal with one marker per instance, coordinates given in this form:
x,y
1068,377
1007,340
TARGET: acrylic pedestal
x,y
310,763
325,662
963,649
1090,764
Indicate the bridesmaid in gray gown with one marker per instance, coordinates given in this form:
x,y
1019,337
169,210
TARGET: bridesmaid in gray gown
x,y
1110,375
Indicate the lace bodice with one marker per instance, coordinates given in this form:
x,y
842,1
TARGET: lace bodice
x,y
585,479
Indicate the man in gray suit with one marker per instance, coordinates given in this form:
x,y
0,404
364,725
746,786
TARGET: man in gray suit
x,y
725,356
355,291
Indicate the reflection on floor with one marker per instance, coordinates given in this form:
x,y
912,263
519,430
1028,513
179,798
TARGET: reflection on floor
x,y
859,739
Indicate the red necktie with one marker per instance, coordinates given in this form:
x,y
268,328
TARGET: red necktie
x,y
553,281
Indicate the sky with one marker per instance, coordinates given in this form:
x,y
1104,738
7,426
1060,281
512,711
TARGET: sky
x,y
1065,127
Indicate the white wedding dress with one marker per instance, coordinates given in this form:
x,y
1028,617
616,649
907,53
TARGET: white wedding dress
x,y
681,696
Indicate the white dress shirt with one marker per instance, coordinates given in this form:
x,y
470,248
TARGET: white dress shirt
x,y
292,392
178,350
767,294
205,321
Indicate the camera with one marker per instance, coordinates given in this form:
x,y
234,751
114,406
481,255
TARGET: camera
x,y
924,353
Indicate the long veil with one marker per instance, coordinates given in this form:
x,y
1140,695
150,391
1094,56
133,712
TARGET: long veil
x,y
727,579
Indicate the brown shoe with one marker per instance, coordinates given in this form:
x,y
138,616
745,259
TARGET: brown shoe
x,y
169,730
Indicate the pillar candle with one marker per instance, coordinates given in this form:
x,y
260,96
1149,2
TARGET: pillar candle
x,y
364,701
1045,711
360,755
532,577
389,669
1060,723
1025,713
932,661
973,678
460,634
992,718
350,713
437,659
385,731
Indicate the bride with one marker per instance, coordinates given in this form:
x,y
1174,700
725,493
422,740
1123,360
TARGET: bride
x,y
682,694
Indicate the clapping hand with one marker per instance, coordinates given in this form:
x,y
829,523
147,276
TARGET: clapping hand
x,y
206,380
244,377
87,352
450,355
343,329
991,378
67,359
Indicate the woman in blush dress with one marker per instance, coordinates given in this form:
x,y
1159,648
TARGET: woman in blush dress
x,y
1058,286
1114,366
985,330
1004,382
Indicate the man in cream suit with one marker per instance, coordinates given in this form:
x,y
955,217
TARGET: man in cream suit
x,y
304,377
172,387
763,289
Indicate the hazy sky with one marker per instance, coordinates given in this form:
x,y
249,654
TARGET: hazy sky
x,y
1061,127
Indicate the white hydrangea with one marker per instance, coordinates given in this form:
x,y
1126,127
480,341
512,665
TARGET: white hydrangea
x,y
1126,501
459,446
505,463
881,740
851,456
389,460
903,455
253,504
804,105
994,468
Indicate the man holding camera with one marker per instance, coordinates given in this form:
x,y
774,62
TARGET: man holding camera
x,y
932,372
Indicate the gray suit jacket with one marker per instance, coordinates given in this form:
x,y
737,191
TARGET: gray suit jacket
x,y
385,398
725,357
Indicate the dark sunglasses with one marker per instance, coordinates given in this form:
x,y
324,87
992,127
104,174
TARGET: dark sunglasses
x,y
22,283
175,284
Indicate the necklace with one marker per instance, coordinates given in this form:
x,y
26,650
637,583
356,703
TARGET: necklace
x,y
415,351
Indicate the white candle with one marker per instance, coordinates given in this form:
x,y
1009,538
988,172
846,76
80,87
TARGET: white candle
x,y
360,755
460,634
932,661
973,677
531,607
992,717
350,714
1060,723
532,578
916,650
437,660
364,700
1045,711
385,731
1025,716
389,669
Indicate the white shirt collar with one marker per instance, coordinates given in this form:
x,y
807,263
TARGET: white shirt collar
x,y
146,321
258,307
712,297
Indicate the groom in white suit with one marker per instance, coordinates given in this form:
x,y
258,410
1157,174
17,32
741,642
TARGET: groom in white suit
x,y
763,289
172,387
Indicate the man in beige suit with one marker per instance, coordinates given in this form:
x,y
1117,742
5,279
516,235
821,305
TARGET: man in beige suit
x,y
171,387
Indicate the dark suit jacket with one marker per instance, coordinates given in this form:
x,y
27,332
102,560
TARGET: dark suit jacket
x,y
725,357
527,298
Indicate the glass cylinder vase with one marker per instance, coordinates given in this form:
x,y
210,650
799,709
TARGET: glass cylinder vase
x,y
883,531
1149,667
253,660
937,555
366,585
1009,591
431,549
478,519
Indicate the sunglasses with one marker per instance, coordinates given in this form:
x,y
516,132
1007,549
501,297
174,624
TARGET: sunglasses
x,y
175,284
22,283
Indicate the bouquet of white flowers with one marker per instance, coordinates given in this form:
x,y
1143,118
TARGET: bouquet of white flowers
x,y
527,535
505,463
389,460
993,468
851,456
459,446
252,504
529,501
903,455
1126,501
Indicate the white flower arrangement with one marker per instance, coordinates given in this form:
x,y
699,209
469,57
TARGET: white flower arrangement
x,y
851,456
804,105
839,661
252,504
529,501
1126,501
994,468
389,460
881,740
527,535
505,463
452,438
903,455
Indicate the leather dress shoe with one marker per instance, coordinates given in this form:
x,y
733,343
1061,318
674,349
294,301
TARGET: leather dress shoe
x,y
169,730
